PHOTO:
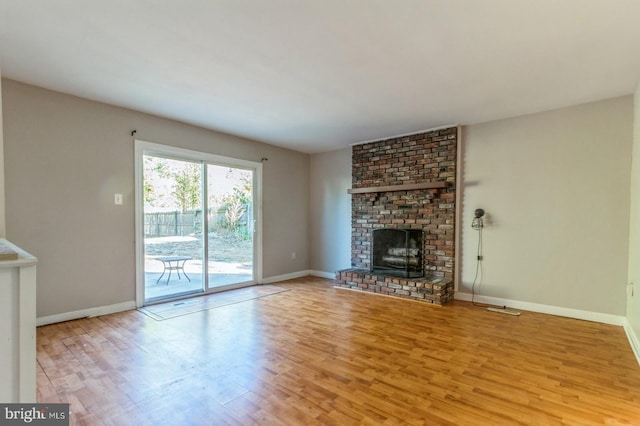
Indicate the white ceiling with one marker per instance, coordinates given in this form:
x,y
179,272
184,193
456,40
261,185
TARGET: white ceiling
x,y
315,75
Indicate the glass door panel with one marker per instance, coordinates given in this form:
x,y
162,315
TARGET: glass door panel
x,y
173,223
230,249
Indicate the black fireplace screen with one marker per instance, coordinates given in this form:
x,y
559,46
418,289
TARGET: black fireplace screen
x,y
397,252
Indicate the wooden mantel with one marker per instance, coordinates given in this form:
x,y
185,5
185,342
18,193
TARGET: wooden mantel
x,y
407,187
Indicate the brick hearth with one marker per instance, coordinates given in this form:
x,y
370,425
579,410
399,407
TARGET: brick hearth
x,y
429,289
428,157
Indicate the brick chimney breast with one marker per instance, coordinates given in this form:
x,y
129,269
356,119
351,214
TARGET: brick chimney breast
x,y
426,157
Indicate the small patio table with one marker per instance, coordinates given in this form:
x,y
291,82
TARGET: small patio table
x,y
173,263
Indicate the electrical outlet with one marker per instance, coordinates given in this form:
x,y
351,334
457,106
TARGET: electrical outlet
x,y
293,255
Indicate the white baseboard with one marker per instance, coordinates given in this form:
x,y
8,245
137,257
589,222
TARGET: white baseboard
x,y
619,320
299,274
285,277
86,313
634,340
126,306
546,309
323,274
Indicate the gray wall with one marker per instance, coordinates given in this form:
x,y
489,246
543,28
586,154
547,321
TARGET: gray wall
x,y
330,243
65,157
564,174
2,197
555,188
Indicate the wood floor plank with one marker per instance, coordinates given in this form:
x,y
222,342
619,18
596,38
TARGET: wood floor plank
x,y
320,355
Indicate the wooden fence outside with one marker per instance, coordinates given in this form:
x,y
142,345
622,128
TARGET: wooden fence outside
x,y
177,223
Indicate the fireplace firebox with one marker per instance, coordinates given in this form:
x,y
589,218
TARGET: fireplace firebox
x,y
397,252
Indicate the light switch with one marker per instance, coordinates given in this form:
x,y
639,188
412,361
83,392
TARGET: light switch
x,y
117,199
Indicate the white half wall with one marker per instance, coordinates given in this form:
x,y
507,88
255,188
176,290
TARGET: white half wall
x,y
555,188
3,229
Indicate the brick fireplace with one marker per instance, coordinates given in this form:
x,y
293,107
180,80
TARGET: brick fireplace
x,y
407,182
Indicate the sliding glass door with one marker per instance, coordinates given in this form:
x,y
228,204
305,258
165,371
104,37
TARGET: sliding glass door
x,y
196,222
230,249
173,237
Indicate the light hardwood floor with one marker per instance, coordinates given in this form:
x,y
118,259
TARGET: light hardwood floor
x,y
319,355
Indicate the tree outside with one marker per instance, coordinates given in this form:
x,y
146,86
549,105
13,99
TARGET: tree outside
x,y
172,194
171,185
